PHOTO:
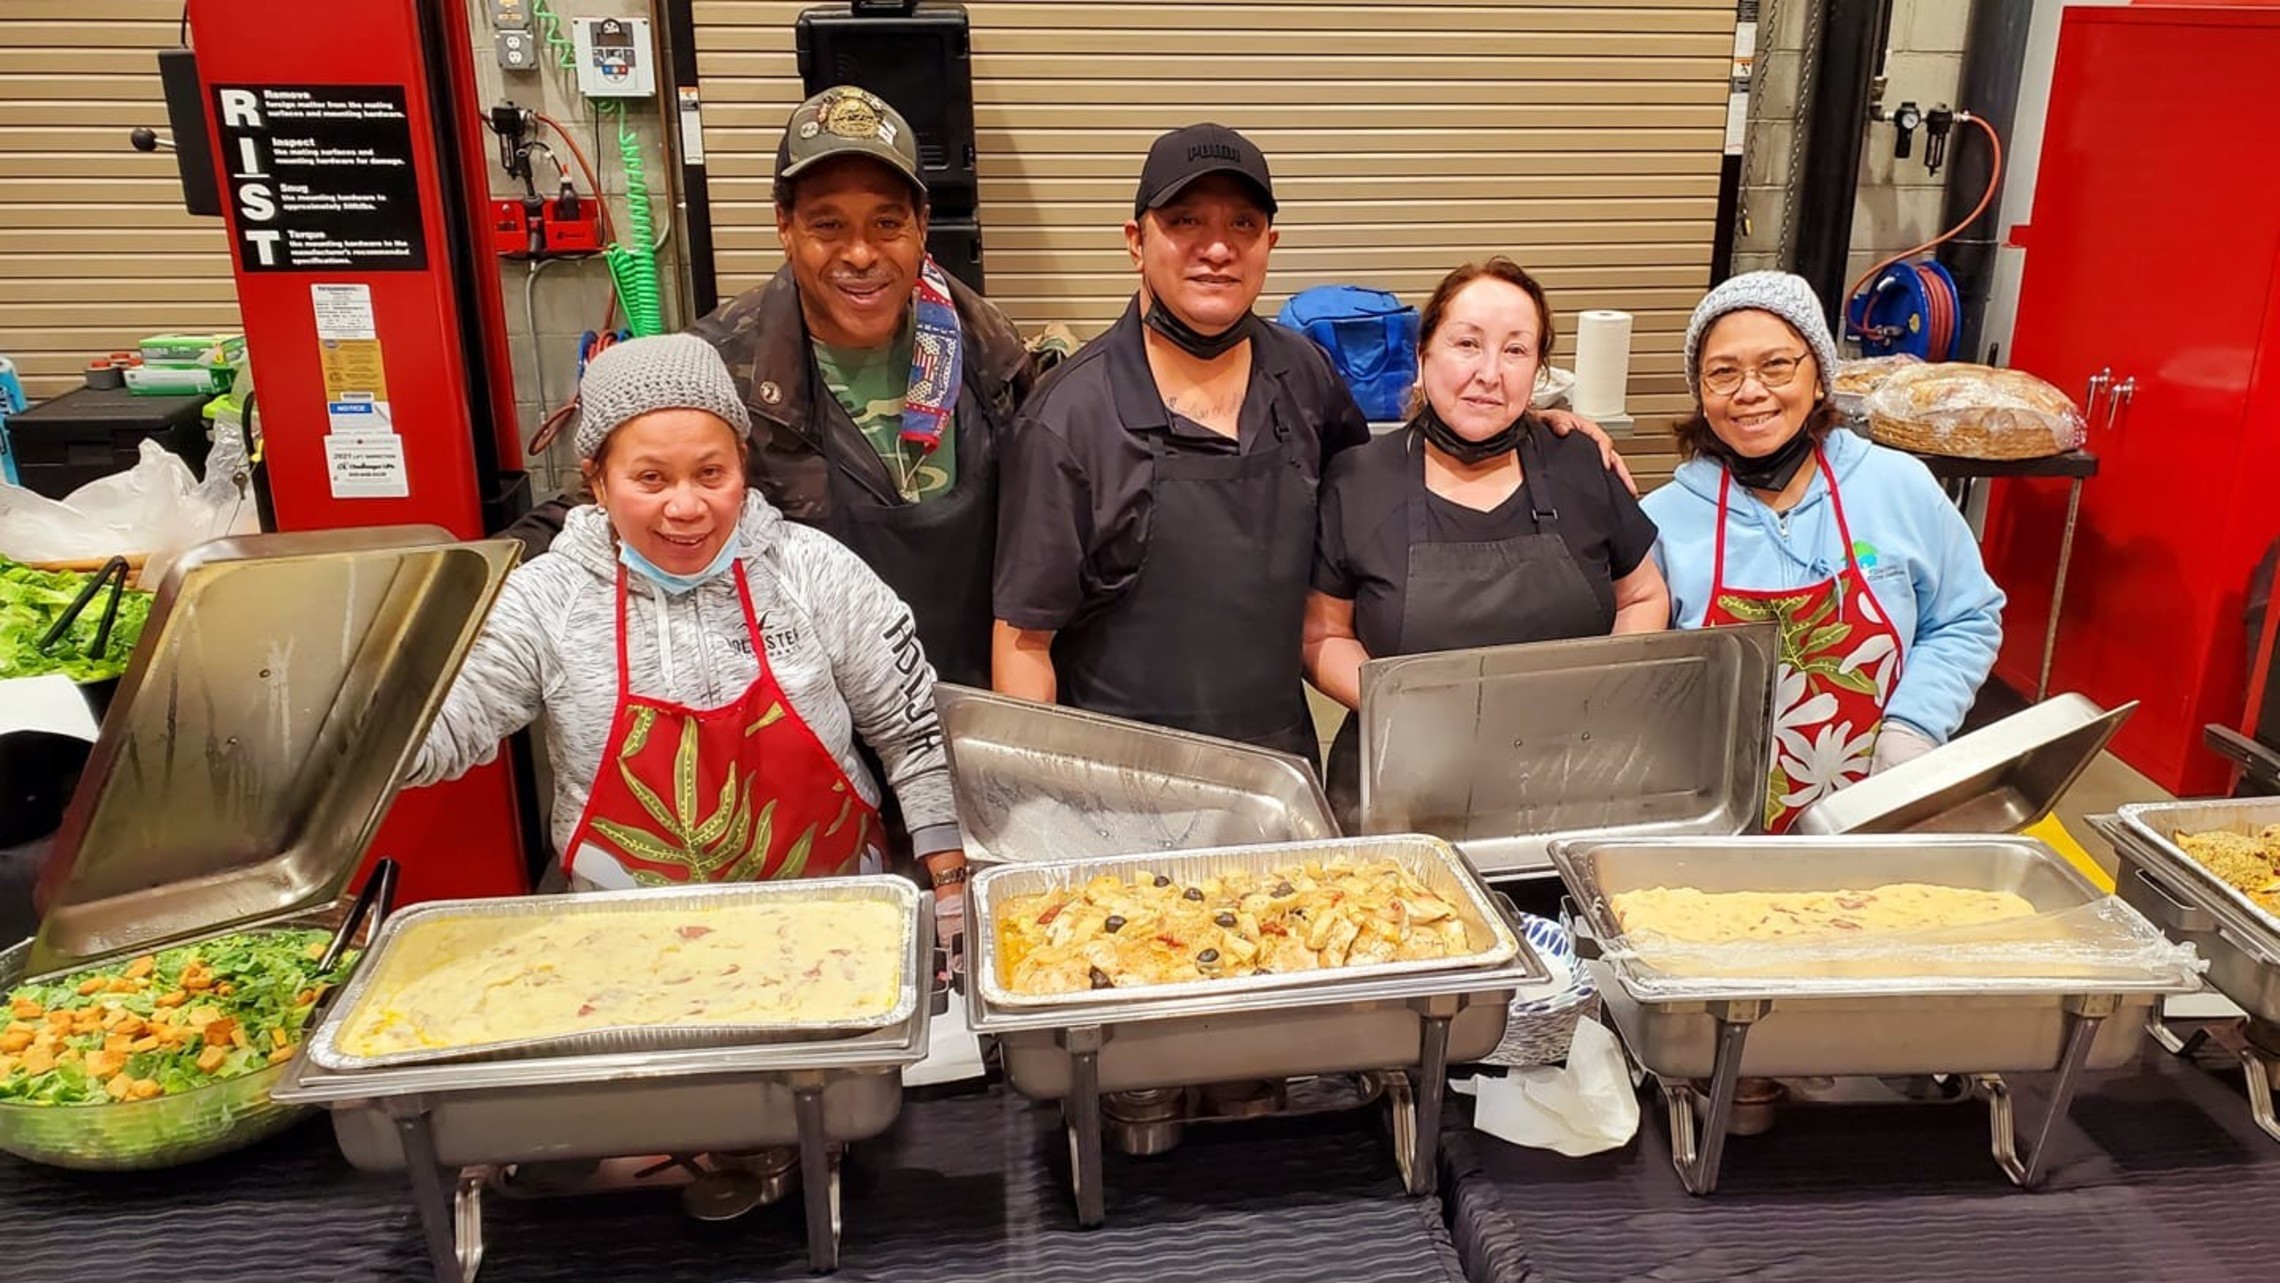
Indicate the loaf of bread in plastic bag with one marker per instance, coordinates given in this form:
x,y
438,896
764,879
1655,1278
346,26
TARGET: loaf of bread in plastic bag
x,y
1973,412
1853,380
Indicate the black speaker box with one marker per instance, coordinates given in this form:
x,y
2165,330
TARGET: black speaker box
x,y
956,243
921,62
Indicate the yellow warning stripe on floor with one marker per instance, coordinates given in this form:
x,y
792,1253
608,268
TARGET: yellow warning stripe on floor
x,y
2050,831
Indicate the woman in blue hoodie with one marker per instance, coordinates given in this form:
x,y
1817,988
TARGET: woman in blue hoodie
x,y
1889,622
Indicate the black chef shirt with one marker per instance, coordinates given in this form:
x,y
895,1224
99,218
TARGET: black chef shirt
x,y
1074,498
1362,551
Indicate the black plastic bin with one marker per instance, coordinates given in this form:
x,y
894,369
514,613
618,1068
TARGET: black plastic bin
x,y
67,441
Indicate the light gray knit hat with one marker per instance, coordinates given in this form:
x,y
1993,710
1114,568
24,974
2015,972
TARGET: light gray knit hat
x,y
662,372
1784,294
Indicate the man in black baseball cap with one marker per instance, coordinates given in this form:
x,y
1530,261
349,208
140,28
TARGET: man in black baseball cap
x,y
1184,155
1156,531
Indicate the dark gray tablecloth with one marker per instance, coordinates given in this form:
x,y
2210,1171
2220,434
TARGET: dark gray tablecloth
x,y
2158,1174
972,1187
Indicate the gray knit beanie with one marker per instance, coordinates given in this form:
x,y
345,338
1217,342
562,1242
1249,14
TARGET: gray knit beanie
x,y
1784,294
662,372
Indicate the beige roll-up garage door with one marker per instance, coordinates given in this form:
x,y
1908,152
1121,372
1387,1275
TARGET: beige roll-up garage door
x,y
1406,137
95,249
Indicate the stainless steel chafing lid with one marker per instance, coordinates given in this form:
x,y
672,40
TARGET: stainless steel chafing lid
x,y
1499,749
2000,778
281,688
1040,782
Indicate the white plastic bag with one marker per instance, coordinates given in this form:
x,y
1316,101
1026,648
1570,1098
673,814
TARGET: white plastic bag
x,y
1589,1106
156,509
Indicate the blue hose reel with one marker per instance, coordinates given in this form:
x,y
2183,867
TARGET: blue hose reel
x,y
1910,308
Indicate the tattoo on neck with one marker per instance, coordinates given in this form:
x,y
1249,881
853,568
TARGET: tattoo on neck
x,y
1202,408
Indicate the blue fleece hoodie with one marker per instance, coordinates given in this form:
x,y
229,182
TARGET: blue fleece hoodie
x,y
1914,546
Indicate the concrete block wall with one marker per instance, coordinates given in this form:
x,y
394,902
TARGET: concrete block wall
x,y
1897,203
571,296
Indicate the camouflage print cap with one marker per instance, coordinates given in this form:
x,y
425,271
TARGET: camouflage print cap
x,y
846,121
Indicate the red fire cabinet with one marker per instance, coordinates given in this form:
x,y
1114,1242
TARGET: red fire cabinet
x,y
2153,258
350,159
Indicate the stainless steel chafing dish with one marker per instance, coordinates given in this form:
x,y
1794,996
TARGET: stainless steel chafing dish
x,y
1404,1025
2194,906
627,1092
325,1042
1040,782
2000,778
256,740
1984,1025
1504,749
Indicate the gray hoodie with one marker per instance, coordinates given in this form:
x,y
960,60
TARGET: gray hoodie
x,y
840,642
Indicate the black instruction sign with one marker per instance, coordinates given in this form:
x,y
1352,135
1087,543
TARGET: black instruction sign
x,y
321,177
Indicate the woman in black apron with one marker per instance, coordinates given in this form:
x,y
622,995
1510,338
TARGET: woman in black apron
x,y
1473,525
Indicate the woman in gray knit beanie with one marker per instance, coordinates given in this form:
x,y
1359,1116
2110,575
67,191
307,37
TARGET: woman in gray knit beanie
x,y
707,669
1889,622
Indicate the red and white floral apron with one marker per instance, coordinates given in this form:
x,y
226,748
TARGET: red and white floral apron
x,y
1840,657
740,793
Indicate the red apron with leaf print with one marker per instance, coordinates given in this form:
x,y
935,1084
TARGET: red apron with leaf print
x,y
1840,658
740,793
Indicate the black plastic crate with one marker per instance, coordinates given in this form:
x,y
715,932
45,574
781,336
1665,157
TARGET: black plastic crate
x,y
921,62
63,443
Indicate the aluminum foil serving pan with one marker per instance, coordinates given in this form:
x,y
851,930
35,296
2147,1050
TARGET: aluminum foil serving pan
x,y
2158,824
2075,940
1489,938
327,1046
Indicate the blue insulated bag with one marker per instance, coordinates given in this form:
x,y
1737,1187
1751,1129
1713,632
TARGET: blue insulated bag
x,y
1371,337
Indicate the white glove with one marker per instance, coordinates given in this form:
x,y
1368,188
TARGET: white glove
x,y
1895,744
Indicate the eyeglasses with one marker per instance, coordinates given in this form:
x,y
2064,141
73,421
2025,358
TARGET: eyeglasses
x,y
1774,372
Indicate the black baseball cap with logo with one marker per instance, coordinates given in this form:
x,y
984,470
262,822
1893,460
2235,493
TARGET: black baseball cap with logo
x,y
846,121
1180,157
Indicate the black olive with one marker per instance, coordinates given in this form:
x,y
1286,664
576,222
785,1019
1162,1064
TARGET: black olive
x,y
1100,979
1192,893
1162,880
1207,957
1114,924
1298,913
1223,918
1285,888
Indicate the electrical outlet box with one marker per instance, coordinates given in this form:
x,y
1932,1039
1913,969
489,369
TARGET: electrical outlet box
x,y
510,15
614,57
518,50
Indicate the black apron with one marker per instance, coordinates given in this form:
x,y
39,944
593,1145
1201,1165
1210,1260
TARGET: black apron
x,y
1461,595
1207,638
936,555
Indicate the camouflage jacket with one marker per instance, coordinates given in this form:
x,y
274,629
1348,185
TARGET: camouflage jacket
x,y
763,337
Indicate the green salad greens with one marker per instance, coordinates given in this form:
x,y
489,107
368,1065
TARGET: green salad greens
x,y
30,603
164,1023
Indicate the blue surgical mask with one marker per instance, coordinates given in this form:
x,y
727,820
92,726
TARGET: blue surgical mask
x,y
675,585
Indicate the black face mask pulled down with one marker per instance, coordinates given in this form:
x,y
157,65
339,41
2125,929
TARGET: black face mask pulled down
x,y
1772,472
1445,439
1188,339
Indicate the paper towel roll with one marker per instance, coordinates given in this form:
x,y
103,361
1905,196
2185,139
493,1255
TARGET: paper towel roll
x,y
1602,363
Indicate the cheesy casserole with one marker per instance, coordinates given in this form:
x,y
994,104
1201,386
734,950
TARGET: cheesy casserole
x,y
465,982
1730,917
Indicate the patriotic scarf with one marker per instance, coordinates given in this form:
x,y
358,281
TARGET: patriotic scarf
x,y
936,355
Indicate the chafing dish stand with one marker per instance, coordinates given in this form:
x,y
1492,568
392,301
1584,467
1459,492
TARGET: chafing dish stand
x,y
1416,1105
1696,1149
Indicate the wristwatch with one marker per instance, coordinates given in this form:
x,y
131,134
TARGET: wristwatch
x,y
948,877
